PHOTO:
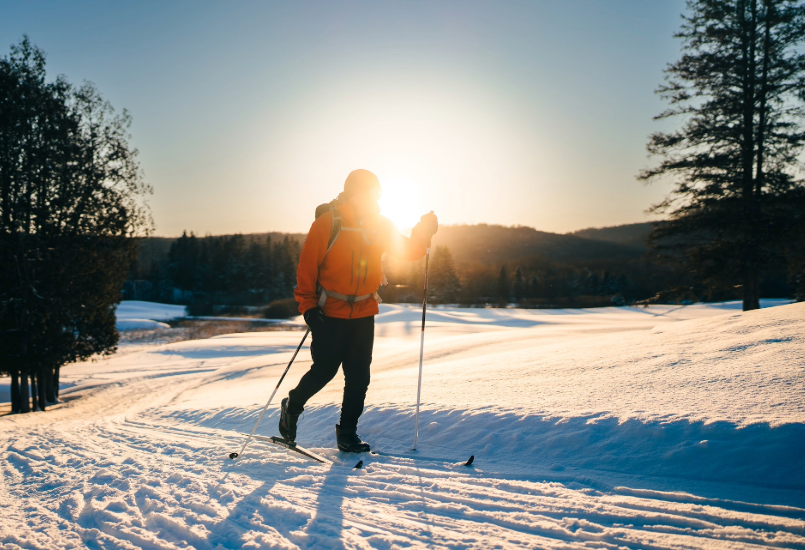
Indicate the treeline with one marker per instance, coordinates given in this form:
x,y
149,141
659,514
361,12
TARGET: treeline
x,y
203,272
497,265
527,282
469,265
221,273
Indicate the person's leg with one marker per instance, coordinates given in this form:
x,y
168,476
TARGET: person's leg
x,y
357,360
327,350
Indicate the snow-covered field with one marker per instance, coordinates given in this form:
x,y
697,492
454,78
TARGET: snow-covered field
x,y
136,315
666,427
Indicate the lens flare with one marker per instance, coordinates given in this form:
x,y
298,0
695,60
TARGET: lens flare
x,y
401,202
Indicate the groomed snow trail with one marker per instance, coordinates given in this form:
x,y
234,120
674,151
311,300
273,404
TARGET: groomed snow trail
x,y
135,456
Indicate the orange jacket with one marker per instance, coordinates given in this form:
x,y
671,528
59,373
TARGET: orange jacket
x,y
352,267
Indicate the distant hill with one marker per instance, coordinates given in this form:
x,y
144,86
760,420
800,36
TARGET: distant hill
x,y
631,234
583,269
492,244
497,244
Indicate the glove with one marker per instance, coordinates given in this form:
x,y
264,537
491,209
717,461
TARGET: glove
x,y
429,224
314,318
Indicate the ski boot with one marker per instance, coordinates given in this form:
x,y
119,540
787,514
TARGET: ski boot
x,y
288,422
349,441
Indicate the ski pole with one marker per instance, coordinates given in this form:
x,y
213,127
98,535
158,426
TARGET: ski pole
x,y
233,456
422,345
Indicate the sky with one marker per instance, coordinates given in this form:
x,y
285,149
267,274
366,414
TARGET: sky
x,y
248,114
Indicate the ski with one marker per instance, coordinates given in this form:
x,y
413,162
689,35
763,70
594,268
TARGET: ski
x,y
468,462
291,446
275,440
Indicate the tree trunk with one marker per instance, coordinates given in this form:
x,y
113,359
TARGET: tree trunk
x,y
749,229
751,289
33,392
50,394
15,391
56,384
763,108
42,387
25,402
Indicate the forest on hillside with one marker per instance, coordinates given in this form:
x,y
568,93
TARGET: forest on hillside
x,y
224,271
469,265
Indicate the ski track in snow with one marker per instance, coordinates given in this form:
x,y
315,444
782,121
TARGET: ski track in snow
x,y
133,459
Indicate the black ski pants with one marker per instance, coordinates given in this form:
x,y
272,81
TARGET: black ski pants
x,y
338,342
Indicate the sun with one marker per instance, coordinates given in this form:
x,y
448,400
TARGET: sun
x,y
401,202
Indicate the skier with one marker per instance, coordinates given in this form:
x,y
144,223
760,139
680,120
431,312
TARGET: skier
x,y
336,287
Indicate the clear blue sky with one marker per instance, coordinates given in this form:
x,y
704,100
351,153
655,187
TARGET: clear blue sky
x,y
249,114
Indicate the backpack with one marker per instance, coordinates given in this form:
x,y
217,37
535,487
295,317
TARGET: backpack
x,y
335,230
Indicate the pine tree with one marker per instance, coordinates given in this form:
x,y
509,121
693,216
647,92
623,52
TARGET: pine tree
x,y
254,263
503,284
534,287
443,282
740,88
518,288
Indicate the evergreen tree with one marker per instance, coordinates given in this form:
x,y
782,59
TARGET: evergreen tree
x,y
740,88
255,264
183,258
232,269
268,271
593,283
443,283
624,285
236,279
534,287
70,202
518,288
607,285
503,284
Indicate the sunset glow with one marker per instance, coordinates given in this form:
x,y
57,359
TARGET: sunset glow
x,y
401,202
530,113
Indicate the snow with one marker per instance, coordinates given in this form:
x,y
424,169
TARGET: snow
x,y
131,315
133,309
664,427
140,324
300,322
136,315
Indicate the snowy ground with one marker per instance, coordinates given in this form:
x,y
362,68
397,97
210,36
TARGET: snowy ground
x,y
667,427
133,314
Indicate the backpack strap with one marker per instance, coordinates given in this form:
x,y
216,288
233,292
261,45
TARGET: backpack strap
x,y
335,230
350,299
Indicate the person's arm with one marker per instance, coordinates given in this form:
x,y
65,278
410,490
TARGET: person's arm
x,y
307,273
413,248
